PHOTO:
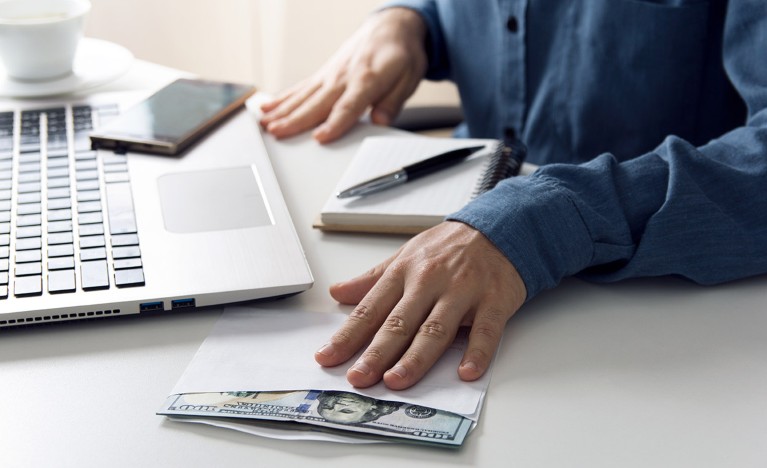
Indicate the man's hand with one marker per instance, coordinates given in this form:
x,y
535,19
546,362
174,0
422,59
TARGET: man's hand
x,y
413,304
379,67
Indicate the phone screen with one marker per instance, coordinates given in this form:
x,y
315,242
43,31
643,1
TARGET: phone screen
x,y
172,116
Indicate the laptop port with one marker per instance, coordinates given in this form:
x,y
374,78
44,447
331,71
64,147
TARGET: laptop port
x,y
182,304
151,306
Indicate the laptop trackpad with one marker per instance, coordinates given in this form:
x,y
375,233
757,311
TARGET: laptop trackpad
x,y
212,200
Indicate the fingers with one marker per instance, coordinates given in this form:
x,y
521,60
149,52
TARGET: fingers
x,y
362,323
410,308
484,338
434,337
302,111
390,104
354,290
287,101
394,335
344,114
378,67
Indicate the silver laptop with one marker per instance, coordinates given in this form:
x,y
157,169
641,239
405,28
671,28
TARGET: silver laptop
x,y
87,234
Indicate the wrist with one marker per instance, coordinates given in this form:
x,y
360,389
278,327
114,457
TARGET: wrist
x,y
404,23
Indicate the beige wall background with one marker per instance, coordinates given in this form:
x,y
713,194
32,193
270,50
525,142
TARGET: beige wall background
x,y
271,43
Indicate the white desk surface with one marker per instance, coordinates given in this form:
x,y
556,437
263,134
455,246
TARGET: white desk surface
x,y
649,373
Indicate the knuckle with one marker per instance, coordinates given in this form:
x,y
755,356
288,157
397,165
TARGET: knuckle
x,y
347,106
366,75
362,314
342,338
372,355
423,273
434,329
397,325
494,315
486,331
414,360
398,268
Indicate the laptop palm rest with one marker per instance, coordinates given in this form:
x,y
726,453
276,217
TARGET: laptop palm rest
x,y
212,200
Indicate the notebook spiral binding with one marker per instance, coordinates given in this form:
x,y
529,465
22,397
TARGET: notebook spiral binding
x,y
505,162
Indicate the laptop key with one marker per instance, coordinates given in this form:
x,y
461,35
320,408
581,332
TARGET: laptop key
x,y
29,256
91,229
122,240
29,220
29,208
88,195
116,177
59,226
95,275
59,192
97,253
29,231
29,243
28,269
61,263
87,242
28,286
61,250
89,207
61,281
122,220
60,238
59,215
126,263
59,203
129,278
126,252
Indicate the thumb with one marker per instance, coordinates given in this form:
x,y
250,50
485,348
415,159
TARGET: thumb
x,y
386,110
355,289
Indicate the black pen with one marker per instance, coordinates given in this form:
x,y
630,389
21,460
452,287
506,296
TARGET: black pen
x,y
409,172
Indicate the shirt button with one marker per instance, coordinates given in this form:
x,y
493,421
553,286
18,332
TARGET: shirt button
x,y
512,24
509,133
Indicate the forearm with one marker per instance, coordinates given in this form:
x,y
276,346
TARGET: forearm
x,y
679,210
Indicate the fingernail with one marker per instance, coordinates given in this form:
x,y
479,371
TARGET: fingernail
x,y
327,350
380,117
361,367
319,134
272,126
399,370
470,365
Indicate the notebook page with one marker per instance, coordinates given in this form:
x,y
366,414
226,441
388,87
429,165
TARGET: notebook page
x,y
433,196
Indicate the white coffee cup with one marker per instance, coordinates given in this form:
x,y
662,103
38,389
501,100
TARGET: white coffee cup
x,y
39,38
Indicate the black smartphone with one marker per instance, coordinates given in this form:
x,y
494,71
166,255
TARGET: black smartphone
x,y
173,118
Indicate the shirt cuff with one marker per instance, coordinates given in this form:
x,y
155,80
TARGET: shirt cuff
x,y
536,225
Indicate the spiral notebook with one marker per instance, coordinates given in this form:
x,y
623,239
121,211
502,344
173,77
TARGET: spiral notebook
x,y
418,205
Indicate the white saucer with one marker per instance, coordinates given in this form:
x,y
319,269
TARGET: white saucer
x,y
97,62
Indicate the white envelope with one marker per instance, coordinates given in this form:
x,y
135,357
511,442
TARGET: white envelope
x,y
253,349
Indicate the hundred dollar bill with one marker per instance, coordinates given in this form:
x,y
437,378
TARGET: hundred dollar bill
x,y
326,409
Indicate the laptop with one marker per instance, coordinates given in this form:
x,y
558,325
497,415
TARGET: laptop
x,y
87,234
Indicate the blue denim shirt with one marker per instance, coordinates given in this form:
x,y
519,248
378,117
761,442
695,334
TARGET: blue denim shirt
x,y
648,117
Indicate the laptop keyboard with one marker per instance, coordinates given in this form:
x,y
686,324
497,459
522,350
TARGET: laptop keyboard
x,y
66,212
